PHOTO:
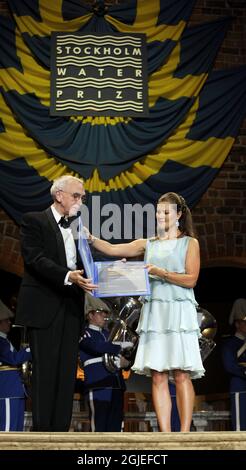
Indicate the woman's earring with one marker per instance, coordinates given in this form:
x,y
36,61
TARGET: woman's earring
x,y
177,223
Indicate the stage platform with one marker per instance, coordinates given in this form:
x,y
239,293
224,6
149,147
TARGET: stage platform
x,y
123,441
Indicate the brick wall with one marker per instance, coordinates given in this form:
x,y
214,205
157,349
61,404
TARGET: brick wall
x,y
10,258
4,9
220,215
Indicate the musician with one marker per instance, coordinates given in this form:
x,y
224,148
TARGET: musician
x,y
234,360
12,392
104,390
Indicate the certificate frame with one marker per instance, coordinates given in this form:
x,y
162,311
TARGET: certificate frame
x,y
121,278
114,278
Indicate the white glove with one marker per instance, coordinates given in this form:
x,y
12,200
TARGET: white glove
x,y
117,361
120,362
124,344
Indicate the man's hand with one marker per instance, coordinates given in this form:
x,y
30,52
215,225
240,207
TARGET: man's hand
x,y
76,278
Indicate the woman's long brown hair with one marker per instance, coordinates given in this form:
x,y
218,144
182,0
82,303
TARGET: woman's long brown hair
x,y
185,221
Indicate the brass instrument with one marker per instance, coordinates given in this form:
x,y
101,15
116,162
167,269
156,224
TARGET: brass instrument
x,y
208,328
124,329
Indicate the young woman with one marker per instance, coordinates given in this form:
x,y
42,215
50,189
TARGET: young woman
x,y
168,326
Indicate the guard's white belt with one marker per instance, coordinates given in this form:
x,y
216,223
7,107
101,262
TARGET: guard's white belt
x,y
93,361
241,350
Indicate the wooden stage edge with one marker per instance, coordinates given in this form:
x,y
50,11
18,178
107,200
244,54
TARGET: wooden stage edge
x,y
123,441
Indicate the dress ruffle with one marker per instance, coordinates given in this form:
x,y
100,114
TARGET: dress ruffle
x,y
168,352
164,317
168,324
172,292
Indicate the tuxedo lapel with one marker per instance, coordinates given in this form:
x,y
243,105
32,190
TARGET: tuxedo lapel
x,y
59,239
79,260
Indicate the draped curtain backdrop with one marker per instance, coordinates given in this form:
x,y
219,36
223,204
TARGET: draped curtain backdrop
x,y
195,112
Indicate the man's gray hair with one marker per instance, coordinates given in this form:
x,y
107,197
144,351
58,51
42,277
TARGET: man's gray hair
x,y
61,183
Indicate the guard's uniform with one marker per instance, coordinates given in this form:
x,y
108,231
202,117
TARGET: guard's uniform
x,y
105,390
175,421
12,392
234,360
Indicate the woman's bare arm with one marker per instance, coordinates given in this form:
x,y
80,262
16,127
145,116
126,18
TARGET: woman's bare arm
x,y
127,250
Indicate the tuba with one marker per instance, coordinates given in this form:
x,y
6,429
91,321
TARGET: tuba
x,y
208,328
124,329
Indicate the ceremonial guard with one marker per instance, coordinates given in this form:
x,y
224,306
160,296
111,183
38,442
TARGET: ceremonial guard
x,y
12,391
104,388
234,360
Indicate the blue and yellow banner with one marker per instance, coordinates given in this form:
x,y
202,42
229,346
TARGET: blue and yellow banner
x,y
194,112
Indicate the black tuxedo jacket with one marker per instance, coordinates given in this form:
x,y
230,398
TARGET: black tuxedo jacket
x,y
43,294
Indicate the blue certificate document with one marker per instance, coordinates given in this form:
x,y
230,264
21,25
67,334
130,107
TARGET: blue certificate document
x,y
114,278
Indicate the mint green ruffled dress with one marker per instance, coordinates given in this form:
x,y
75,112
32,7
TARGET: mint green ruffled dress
x,y
168,325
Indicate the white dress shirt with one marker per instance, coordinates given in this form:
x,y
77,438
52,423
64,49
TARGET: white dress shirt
x,y
70,248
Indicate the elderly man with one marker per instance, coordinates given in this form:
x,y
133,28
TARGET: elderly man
x,y
50,303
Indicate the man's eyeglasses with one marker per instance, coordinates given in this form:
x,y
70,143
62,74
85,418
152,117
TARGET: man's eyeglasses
x,y
75,195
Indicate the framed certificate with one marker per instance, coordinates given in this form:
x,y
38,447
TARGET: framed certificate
x,y
118,278
114,278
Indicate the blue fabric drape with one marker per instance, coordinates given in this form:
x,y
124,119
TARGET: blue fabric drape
x,y
194,117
